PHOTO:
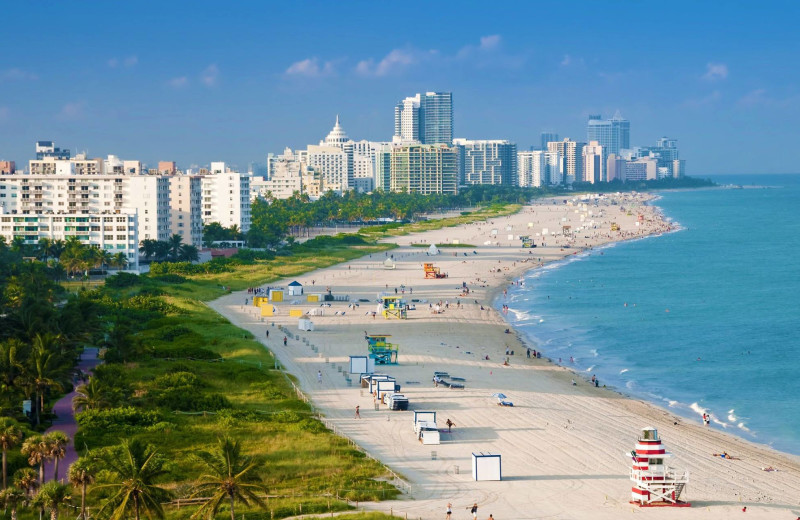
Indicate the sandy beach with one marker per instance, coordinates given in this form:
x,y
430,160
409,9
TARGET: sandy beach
x,y
563,446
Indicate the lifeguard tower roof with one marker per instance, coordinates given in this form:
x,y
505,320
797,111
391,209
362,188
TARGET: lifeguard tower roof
x,y
379,335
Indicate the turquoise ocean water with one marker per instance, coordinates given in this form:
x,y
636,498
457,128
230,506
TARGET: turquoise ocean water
x,y
712,314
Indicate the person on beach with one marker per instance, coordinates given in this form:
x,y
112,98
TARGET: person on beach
x,y
358,412
474,511
319,376
267,332
449,511
285,339
450,425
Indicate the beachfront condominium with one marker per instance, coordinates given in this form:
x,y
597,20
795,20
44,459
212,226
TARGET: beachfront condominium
x,y
593,163
612,134
537,168
572,153
49,149
186,199
486,162
226,197
424,118
418,168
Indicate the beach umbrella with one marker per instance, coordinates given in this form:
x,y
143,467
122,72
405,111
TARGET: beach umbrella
x,y
500,396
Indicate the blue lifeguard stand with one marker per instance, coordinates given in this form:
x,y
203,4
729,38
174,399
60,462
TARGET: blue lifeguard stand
x,y
383,352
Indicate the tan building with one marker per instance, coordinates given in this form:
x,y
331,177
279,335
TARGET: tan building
x,y
7,167
167,167
185,199
572,152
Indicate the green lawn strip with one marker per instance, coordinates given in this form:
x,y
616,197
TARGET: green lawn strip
x,y
469,246
492,211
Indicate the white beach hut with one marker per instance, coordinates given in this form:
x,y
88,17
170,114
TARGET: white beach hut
x,y
486,466
295,288
433,250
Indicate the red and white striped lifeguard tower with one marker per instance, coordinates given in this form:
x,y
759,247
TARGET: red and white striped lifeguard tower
x,y
655,483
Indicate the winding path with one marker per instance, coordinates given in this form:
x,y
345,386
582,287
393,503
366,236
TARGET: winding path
x,y
65,417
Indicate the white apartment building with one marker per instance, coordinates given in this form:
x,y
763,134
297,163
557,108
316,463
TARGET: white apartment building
x,y
593,164
186,198
538,168
226,197
572,152
333,166
487,161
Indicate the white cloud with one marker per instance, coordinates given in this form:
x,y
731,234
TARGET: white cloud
x,y
490,42
310,68
15,74
179,82
392,63
73,110
130,61
210,75
715,71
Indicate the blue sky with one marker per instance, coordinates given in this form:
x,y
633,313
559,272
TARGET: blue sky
x,y
201,81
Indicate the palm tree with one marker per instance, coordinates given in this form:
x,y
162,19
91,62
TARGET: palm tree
x,y
53,496
10,435
45,248
37,450
120,261
147,247
229,478
26,480
174,244
11,498
91,396
57,248
161,249
57,441
46,369
188,253
81,473
134,468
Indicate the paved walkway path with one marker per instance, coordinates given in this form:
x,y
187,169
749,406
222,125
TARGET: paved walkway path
x,y
65,418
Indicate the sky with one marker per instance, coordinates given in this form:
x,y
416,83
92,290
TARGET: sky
x,y
201,81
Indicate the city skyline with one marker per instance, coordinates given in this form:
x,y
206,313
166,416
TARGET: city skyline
x,y
224,86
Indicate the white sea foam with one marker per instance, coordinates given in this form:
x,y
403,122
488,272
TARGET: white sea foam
x,y
623,370
590,368
593,352
696,408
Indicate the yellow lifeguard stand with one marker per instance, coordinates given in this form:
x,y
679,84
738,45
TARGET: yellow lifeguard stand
x,y
394,307
432,272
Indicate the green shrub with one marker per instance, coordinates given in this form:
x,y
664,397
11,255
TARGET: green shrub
x,y
122,280
124,419
170,278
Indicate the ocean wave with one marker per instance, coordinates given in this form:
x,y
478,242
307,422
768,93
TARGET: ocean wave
x,y
590,368
623,371
593,352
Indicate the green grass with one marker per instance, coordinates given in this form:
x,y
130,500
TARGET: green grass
x,y
389,230
444,245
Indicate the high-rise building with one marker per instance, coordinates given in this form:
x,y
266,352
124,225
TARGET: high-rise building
x,y
226,197
417,168
572,154
424,118
531,169
613,134
49,149
487,162
593,164
186,215
642,169
547,137
615,168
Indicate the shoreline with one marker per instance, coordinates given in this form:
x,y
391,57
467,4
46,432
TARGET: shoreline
x,y
548,434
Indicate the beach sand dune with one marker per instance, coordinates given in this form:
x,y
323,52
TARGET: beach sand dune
x,y
563,447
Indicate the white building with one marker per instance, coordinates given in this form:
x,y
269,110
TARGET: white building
x,y
226,197
186,198
487,161
593,164
531,169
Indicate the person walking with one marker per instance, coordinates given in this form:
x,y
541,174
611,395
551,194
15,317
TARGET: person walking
x,y
319,376
358,412
267,332
284,341
449,511
474,511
